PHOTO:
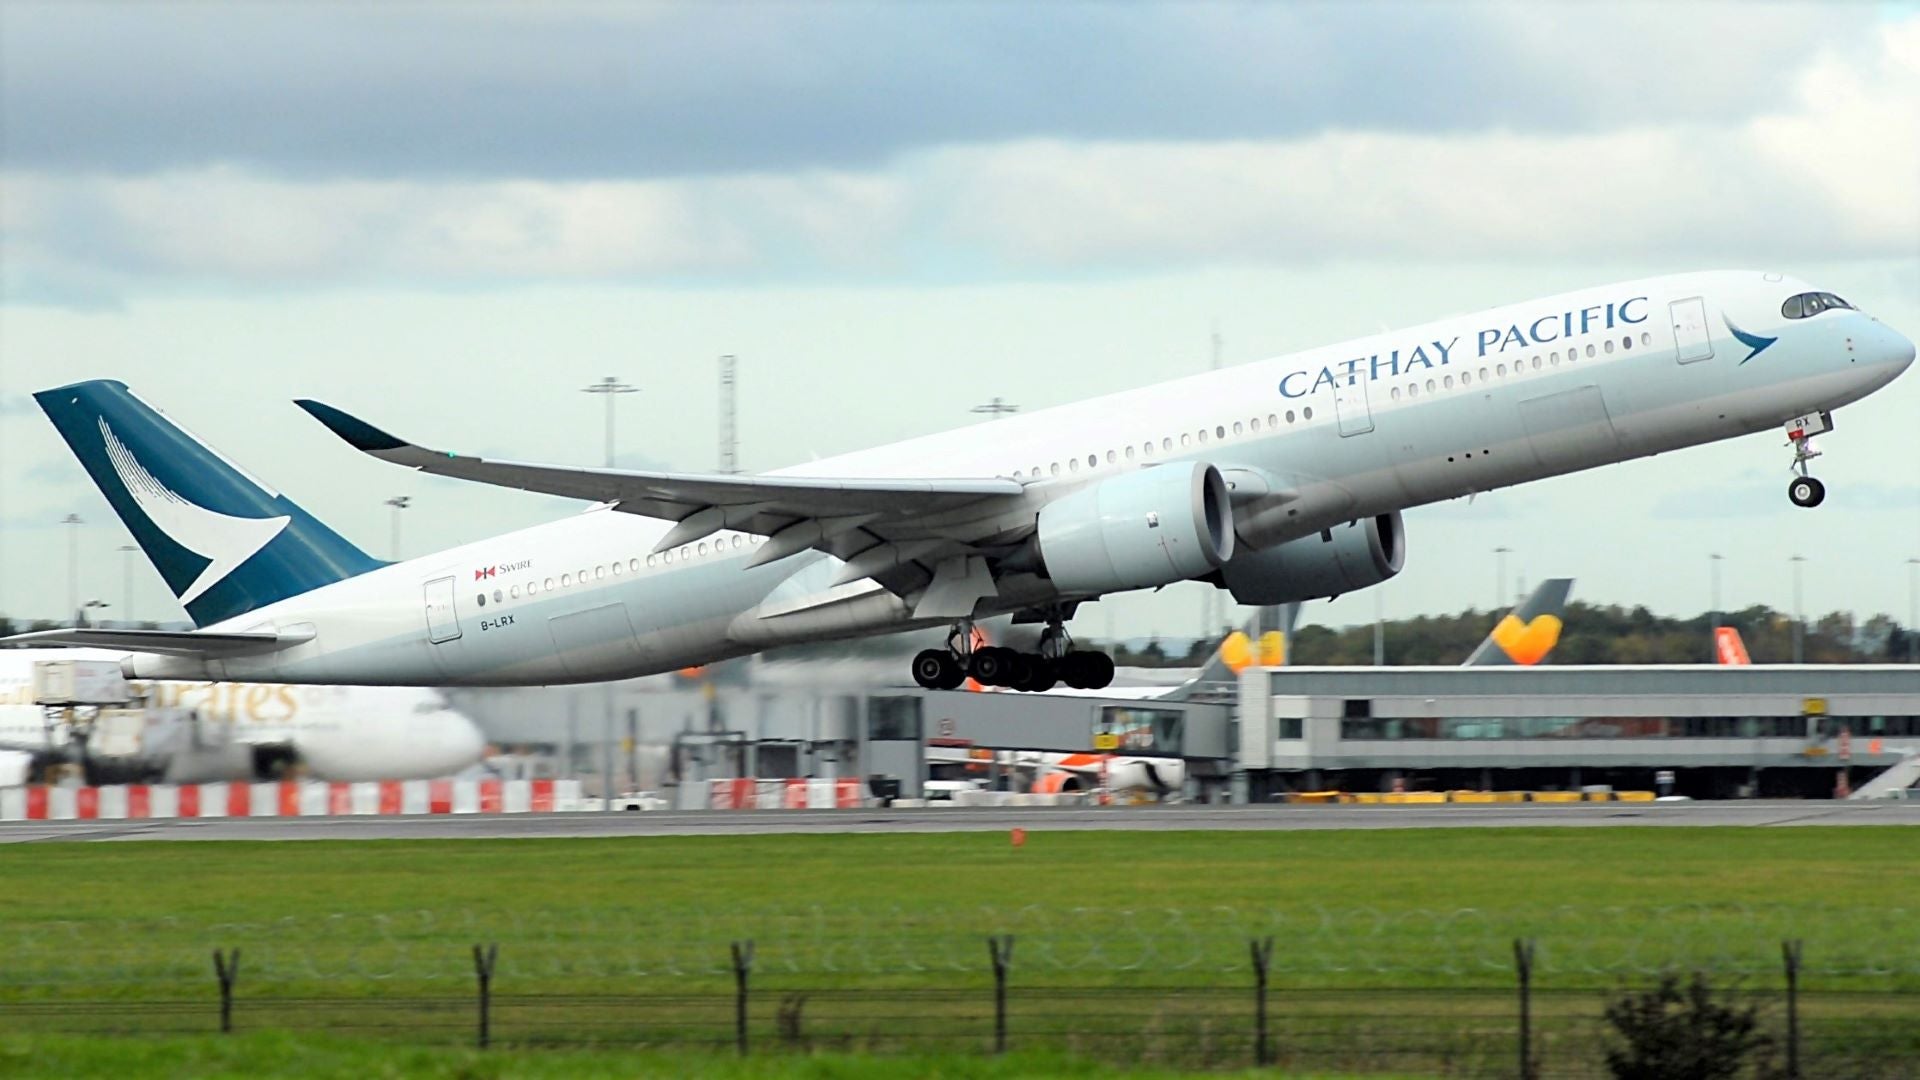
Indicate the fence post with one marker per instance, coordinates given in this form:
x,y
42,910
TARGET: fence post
x,y
1000,947
1262,950
742,964
226,967
483,969
1790,952
1523,961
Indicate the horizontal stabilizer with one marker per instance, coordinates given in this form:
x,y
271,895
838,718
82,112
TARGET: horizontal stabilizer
x,y
192,643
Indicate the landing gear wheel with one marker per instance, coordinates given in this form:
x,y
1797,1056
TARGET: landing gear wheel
x,y
936,669
992,666
1086,670
1041,679
1806,491
1102,671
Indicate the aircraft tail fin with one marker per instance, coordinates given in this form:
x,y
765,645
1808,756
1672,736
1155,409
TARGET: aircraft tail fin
x,y
1729,648
223,540
1525,635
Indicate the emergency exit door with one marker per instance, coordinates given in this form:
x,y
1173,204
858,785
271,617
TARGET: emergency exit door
x,y
1690,337
443,622
1350,405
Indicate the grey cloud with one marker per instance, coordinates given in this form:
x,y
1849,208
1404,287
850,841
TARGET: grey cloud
x,y
603,90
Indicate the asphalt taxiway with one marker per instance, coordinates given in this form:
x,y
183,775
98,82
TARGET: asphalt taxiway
x,y
977,819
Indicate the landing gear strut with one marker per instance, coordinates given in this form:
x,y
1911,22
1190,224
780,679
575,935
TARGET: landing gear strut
x,y
968,656
1804,490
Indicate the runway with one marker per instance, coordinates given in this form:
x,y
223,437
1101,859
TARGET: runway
x,y
975,819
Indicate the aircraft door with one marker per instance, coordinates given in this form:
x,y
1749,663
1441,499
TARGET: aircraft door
x,y
1350,404
1690,338
443,622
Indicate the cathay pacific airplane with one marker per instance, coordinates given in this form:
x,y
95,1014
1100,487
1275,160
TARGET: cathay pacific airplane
x,y
1279,481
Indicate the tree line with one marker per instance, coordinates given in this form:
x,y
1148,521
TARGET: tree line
x,y
1590,634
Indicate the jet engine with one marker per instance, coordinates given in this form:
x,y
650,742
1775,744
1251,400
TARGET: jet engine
x,y
1139,530
1339,560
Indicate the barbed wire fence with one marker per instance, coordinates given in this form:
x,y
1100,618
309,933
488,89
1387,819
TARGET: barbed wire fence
x,y
1320,945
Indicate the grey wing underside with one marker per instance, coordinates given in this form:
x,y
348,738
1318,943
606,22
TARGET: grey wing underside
x,y
894,530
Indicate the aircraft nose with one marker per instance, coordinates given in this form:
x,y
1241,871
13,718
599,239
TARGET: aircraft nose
x,y
465,745
1898,348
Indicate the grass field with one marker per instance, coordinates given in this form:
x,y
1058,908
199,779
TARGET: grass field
x,y
1393,950
1355,908
318,1057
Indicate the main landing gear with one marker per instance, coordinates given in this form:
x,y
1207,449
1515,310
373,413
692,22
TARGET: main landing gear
x,y
967,656
1804,490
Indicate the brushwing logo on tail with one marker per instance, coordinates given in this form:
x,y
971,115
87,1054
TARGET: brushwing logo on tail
x,y
223,540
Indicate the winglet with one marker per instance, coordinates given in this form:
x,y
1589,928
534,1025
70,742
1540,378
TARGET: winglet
x,y
357,432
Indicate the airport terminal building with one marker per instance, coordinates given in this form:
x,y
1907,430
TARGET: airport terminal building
x,y
1720,732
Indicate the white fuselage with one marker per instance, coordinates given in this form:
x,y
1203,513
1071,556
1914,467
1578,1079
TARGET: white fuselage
x,y
1365,427
212,731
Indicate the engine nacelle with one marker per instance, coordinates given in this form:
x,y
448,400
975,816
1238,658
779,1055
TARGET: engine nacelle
x,y
1162,524
1340,560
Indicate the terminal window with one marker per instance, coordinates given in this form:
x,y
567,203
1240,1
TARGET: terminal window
x,y
1605,727
1142,730
892,718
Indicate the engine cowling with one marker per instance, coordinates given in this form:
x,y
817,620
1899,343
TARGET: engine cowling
x,y
1340,560
1144,529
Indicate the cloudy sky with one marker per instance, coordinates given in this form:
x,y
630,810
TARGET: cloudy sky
x,y
448,218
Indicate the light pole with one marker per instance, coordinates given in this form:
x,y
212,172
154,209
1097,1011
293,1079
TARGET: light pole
x,y
1379,630
399,503
126,581
607,388
73,523
996,408
1713,574
1500,577
1799,620
90,606
1913,611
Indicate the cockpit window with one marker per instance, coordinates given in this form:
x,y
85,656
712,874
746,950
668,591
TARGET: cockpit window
x,y
1807,305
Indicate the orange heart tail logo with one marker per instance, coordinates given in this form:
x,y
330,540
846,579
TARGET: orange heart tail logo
x,y
1527,643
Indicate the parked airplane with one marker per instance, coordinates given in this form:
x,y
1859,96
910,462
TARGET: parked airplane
x,y
1278,481
190,732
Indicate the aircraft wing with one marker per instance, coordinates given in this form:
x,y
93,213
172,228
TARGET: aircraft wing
x,y
194,643
894,530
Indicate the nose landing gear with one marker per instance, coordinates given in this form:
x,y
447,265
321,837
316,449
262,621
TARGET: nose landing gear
x,y
1804,490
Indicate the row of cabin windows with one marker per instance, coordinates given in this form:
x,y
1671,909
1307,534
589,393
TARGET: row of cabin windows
x,y
1219,432
683,553
1500,371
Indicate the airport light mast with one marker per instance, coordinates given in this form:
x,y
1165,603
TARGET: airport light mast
x,y
1713,587
1913,611
126,581
1799,618
1500,578
607,388
399,503
73,523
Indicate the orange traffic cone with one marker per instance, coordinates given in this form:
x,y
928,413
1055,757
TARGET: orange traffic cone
x,y
1019,836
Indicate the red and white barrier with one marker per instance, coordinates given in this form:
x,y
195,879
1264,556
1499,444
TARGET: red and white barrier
x,y
793,793
291,798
